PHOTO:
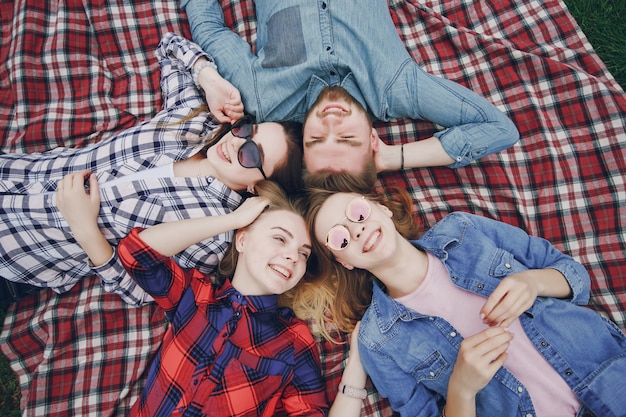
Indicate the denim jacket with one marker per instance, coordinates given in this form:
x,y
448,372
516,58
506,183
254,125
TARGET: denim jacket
x,y
304,45
410,356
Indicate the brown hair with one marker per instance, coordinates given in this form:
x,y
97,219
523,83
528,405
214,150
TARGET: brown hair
x,y
279,200
288,173
361,183
336,298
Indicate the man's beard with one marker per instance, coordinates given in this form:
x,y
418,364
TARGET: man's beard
x,y
335,93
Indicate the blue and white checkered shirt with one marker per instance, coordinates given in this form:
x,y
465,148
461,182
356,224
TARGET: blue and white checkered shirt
x,y
37,244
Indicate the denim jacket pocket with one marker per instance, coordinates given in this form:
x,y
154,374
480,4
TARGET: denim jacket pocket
x,y
504,264
431,368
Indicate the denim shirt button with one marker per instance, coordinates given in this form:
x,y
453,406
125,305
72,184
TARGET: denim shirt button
x,y
431,373
543,343
568,372
453,334
520,389
529,415
459,158
479,286
508,265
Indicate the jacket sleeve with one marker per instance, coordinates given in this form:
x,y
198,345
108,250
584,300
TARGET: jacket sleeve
x,y
177,56
231,53
470,126
392,382
534,252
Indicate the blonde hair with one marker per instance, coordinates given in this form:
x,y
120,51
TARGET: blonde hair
x,y
336,298
279,200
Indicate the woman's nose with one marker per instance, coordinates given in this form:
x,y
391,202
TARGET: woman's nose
x,y
356,229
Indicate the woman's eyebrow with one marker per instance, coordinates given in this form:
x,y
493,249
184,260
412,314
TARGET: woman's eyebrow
x,y
288,233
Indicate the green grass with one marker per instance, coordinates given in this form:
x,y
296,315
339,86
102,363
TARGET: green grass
x,y
602,21
9,388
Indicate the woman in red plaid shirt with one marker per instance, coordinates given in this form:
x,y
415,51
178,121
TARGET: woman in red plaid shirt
x,y
230,349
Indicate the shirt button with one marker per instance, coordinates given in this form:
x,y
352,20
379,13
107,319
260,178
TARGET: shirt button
x,y
508,265
479,286
520,389
431,373
459,159
453,334
529,415
543,343
324,5
238,314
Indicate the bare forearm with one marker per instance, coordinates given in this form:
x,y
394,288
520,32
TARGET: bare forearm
x,y
549,282
171,238
95,245
344,405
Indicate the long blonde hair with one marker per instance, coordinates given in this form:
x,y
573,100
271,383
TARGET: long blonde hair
x,y
279,200
336,298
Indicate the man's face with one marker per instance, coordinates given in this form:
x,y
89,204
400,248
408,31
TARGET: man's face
x,y
338,134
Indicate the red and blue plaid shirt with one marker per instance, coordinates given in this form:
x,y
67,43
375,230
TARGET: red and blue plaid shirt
x,y
224,354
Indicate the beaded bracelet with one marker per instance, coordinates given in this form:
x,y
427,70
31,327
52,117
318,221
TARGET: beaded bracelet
x,y
199,67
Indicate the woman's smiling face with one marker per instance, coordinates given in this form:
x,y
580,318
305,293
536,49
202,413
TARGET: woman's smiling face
x,y
271,141
358,232
274,251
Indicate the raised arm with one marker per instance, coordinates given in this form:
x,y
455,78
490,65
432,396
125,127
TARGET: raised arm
x,y
470,127
232,54
170,238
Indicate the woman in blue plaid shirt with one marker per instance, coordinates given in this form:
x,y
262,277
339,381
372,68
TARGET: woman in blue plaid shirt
x,y
161,170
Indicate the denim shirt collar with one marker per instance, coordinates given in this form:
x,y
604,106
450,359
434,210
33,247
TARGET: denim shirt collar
x,y
388,310
317,84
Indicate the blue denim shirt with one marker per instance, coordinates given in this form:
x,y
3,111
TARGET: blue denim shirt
x,y
305,45
410,356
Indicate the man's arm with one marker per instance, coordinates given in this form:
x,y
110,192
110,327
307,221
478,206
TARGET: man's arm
x,y
231,53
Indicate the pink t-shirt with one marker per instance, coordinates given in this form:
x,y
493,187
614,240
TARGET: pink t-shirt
x,y
437,296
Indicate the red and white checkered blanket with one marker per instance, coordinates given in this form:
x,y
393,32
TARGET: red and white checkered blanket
x,y
74,72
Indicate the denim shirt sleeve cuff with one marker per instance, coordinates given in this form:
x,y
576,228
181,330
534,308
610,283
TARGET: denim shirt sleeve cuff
x,y
578,279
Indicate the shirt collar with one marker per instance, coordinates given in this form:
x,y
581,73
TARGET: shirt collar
x,y
256,303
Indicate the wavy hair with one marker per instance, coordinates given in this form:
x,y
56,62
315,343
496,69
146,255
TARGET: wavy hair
x,y
336,298
279,200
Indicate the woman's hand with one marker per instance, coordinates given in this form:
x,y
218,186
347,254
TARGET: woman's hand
x,y
249,210
223,98
79,206
479,358
514,295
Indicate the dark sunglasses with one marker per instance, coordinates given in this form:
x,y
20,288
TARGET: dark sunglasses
x,y
357,211
249,154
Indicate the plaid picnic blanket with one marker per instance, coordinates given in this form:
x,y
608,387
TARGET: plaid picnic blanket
x,y
77,72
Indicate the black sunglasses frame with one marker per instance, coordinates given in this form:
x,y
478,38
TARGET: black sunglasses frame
x,y
248,144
